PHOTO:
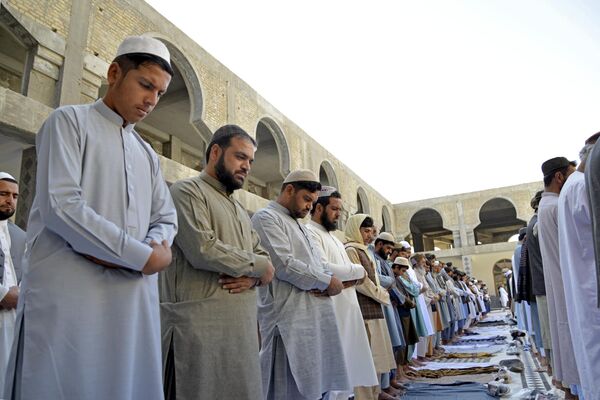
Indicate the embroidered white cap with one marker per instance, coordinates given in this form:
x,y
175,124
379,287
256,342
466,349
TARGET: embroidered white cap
x,y
146,45
326,191
6,175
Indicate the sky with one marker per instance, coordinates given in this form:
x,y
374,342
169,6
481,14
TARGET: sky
x,y
451,96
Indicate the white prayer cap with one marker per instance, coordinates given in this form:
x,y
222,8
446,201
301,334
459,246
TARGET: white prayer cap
x,y
301,175
6,176
405,245
326,191
401,261
436,263
386,236
146,45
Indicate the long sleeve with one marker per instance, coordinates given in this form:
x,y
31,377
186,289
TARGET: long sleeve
x,y
163,217
368,287
287,267
344,272
60,154
200,244
386,281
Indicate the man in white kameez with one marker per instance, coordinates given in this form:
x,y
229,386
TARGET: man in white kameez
x,y
100,228
12,246
577,267
357,352
556,172
301,353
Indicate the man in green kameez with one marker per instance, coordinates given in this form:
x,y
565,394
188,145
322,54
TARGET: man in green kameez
x,y
208,300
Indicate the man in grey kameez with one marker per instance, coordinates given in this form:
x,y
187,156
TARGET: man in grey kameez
x,y
101,225
301,354
208,300
592,183
556,172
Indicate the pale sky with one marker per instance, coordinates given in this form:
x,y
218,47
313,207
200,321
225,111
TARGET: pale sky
x,y
456,96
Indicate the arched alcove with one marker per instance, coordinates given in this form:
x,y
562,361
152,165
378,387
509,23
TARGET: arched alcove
x,y
428,232
362,202
176,122
271,160
386,218
327,175
498,271
498,222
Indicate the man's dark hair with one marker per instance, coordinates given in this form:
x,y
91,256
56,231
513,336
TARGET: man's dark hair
x,y
548,178
367,223
130,61
324,201
535,201
9,180
449,264
222,137
303,185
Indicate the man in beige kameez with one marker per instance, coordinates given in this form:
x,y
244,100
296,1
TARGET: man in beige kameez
x,y
208,302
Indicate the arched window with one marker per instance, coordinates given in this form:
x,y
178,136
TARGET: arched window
x,y
428,232
272,160
327,175
499,222
362,201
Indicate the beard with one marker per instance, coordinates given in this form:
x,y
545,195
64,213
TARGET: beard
x,y
4,215
382,254
298,214
328,224
226,177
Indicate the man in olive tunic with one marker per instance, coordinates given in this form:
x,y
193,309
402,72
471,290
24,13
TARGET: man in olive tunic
x,y
208,300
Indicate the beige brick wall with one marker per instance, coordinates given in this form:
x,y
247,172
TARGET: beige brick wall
x,y
110,22
52,13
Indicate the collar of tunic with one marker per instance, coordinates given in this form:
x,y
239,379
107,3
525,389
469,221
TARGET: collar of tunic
x,y
215,183
110,115
278,207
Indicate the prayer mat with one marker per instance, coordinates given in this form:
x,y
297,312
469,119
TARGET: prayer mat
x,y
462,355
464,363
448,391
473,348
427,373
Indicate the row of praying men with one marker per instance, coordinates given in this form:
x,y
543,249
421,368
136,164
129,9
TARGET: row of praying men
x,y
134,290
555,275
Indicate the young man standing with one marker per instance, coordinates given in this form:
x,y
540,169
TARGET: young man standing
x,y
100,228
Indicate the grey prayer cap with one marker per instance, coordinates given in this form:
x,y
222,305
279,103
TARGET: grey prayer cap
x,y
301,175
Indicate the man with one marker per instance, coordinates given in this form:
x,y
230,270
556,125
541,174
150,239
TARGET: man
x,y
326,213
12,246
525,280
577,267
592,184
538,286
382,248
371,296
100,228
556,172
207,296
521,306
301,354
